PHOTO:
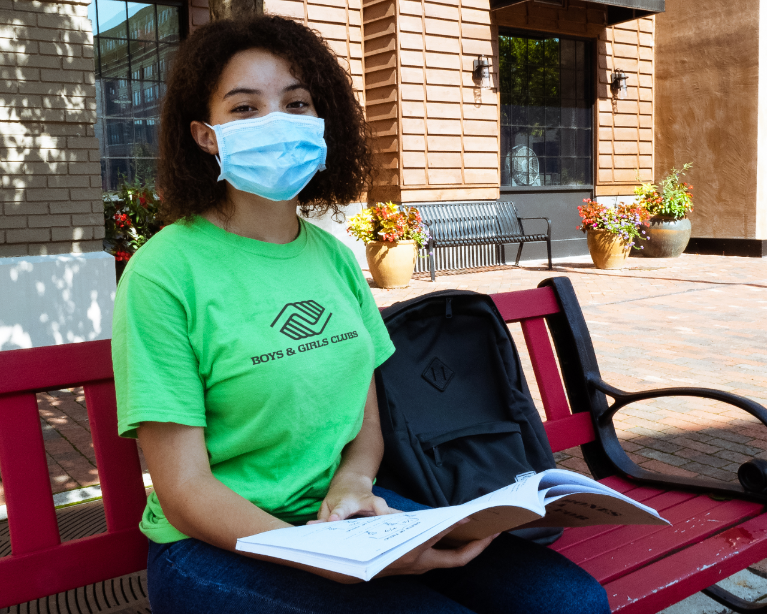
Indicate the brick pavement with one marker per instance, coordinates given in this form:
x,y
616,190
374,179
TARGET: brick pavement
x,y
696,320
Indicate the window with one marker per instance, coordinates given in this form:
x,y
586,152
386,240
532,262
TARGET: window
x,y
546,111
134,44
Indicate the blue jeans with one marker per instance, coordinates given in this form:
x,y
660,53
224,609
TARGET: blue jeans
x,y
511,576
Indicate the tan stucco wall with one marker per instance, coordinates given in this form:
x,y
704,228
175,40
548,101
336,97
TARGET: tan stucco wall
x,y
707,109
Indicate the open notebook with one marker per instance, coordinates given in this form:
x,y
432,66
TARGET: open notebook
x,y
362,547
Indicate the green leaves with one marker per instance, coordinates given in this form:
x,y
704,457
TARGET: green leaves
x,y
130,217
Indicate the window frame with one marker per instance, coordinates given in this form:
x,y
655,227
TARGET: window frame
x,y
592,62
183,32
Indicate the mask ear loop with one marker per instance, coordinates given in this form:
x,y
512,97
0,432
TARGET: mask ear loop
x,y
218,158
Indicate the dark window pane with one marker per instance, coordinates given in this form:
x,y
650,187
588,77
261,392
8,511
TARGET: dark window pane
x,y
168,28
537,114
167,53
583,116
117,97
568,87
114,57
548,101
112,20
552,117
567,54
568,114
567,140
552,52
505,149
552,142
568,171
536,52
142,22
552,82
537,82
115,170
582,174
518,51
580,55
580,85
551,175
144,61
119,137
505,112
519,115
583,143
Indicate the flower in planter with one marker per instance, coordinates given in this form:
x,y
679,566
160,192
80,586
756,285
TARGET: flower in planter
x,y
130,218
673,198
389,222
623,220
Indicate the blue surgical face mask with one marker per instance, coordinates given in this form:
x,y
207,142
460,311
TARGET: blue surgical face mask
x,y
274,156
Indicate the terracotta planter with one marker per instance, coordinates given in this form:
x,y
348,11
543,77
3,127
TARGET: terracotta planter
x,y
668,237
608,250
391,264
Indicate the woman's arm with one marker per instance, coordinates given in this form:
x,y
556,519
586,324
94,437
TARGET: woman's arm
x,y
350,491
200,506
195,502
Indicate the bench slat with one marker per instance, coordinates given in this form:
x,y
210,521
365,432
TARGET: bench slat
x,y
71,565
545,369
658,500
55,367
569,432
635,547
522,304
28,493
685,573
116,458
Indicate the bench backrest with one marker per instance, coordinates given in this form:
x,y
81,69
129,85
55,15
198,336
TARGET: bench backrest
x,y
40,564
530,308
452,221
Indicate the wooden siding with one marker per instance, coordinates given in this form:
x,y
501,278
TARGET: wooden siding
x,y
450,143
382,96
626,135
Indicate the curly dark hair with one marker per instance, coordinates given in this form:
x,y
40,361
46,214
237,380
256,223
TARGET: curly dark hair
x,y
187,176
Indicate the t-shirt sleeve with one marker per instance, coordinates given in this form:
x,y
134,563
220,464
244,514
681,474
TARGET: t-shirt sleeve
x,y
156,370
372,318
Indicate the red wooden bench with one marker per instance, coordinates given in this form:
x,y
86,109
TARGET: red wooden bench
x,y
643,569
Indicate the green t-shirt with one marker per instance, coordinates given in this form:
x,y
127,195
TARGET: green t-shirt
x,y
270,348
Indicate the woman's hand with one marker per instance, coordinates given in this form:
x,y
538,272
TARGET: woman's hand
x,y
426,557
351,495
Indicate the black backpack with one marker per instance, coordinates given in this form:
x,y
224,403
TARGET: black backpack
x,y
456,413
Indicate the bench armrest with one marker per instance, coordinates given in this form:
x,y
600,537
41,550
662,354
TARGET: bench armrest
x,y
548,222
603,425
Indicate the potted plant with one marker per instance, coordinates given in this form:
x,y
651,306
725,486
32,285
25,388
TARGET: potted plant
x,y
391,235
611,232
130,220
668,205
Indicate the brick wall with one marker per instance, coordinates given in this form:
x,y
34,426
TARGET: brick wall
x,y
49,156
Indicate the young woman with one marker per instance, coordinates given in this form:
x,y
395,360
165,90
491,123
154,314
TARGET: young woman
x,y
246,425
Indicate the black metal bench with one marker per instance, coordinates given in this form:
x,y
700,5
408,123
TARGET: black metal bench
x,y
495,222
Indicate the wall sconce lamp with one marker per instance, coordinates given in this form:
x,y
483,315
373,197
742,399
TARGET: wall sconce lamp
x,y
619,84
481,72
